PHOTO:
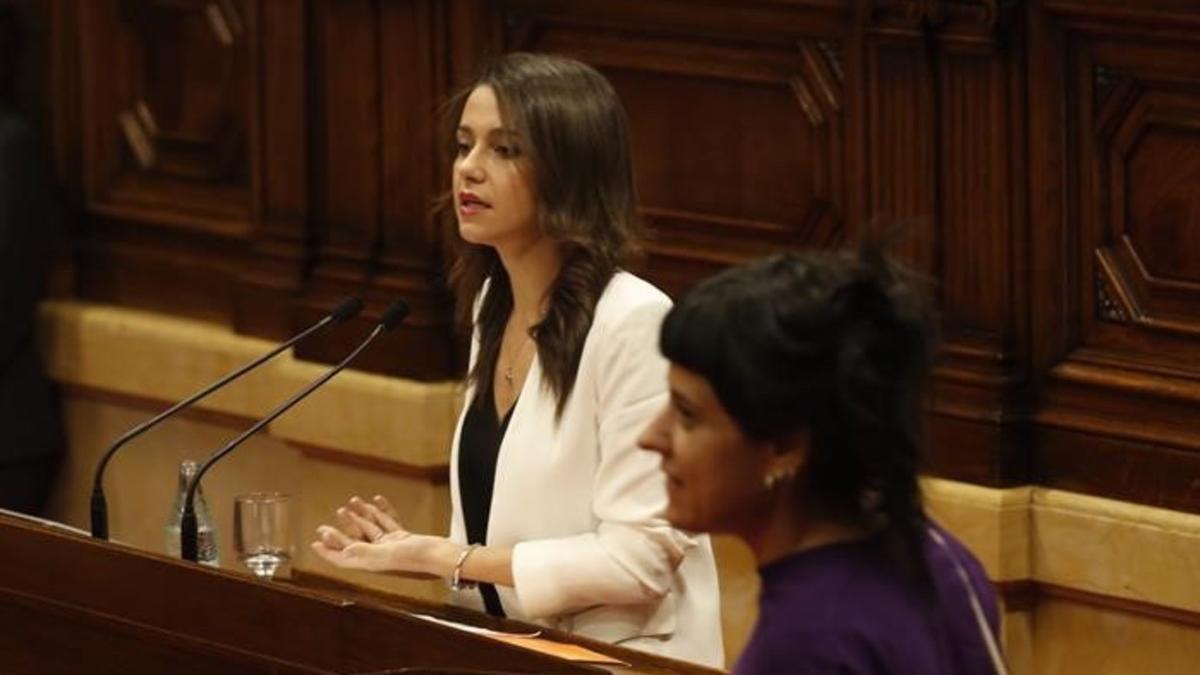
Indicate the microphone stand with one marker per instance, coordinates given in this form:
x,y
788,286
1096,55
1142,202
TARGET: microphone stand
x,y
99,508
188,544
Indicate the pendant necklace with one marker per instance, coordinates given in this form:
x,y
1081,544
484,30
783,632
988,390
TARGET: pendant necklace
x,y
508,371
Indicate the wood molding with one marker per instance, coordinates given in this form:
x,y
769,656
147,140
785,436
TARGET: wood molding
x,y
1023,596
437,474
196,413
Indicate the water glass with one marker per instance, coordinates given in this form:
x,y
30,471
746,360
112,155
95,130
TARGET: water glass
x,y
262,531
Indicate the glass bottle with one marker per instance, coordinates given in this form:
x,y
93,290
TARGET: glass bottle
x,y
206,546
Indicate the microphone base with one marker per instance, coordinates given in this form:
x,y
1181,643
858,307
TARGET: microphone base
x,y
99,514
188,536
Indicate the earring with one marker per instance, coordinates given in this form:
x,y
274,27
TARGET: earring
x,y
773,478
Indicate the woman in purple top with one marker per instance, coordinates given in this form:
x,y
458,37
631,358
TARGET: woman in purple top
x,y
793,423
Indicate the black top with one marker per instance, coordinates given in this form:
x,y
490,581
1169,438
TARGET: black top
x,y
478,449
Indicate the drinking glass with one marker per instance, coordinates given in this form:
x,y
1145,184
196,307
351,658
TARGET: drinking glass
x,y
262,531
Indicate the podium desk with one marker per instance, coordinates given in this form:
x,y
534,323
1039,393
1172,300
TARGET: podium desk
x,y
72,604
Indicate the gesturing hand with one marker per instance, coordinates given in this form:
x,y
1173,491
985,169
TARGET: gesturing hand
x,y
369,536
367,521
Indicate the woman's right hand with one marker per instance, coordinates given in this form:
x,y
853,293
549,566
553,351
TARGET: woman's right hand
x,y
369,536
361,520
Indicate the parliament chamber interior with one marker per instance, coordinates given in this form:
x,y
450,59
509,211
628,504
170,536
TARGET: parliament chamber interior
x,y
224,171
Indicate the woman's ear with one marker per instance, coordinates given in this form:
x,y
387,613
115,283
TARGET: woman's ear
x,y
789,454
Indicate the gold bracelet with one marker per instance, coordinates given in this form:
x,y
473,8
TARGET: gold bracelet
x,y
456,580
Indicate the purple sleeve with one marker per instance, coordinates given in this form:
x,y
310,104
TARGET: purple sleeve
x,y
819,653
986,592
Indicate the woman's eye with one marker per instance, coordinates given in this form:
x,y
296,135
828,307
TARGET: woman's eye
x,y
462,148
687,419
507,151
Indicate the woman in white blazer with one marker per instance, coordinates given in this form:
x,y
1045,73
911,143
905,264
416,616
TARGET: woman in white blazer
x,y
557,514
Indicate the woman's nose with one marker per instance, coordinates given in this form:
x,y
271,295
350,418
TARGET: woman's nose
x,y
469,168
656,437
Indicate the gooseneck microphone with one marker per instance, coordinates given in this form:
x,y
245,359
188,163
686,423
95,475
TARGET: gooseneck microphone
x,y
188,544
345,310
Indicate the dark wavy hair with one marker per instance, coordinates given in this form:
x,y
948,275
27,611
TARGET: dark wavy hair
x,y
834,343
577,137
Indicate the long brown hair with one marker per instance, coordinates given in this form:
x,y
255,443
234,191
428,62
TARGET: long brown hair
x,y
578,143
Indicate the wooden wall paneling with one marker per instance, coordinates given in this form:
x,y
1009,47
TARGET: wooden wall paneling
x,y
1137,468
347,161
1129,375
1051,197
413,88
934,127
272,275
167,153
381,75
348,152
98,58
173,123
982,380
254,162
379,81
415,84
738,145
64,100
474,33
899,119
744,21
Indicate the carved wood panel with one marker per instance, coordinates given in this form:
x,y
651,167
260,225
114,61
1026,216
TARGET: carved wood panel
x,y
1123,385
1146,155
169,97
739,149
377,83
250,162
276,264
943,105
169,159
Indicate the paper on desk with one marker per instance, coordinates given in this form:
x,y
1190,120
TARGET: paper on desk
x,y
532,641
45,522
475,629
563,650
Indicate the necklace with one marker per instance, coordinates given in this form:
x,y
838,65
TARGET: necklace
x,y
508,370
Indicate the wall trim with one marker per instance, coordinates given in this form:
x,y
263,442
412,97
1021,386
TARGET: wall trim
x,y
146,361
1024,595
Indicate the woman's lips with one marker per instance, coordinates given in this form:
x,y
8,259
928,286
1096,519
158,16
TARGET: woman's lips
x,y
470,204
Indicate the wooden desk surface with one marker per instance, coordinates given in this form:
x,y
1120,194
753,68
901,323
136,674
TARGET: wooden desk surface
x,y
72,604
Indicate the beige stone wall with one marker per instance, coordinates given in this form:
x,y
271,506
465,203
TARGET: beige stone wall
x,y
118,367
1075,637
1119,583
1128,577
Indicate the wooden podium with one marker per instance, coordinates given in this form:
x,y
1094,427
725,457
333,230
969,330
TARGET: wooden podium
x,y
72,604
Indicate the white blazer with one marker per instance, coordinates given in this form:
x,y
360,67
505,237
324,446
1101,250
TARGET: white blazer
x,y
583,506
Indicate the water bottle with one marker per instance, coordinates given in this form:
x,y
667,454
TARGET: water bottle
x,y
206,546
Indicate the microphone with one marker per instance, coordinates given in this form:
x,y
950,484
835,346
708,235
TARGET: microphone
x,y
345,310
188,544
